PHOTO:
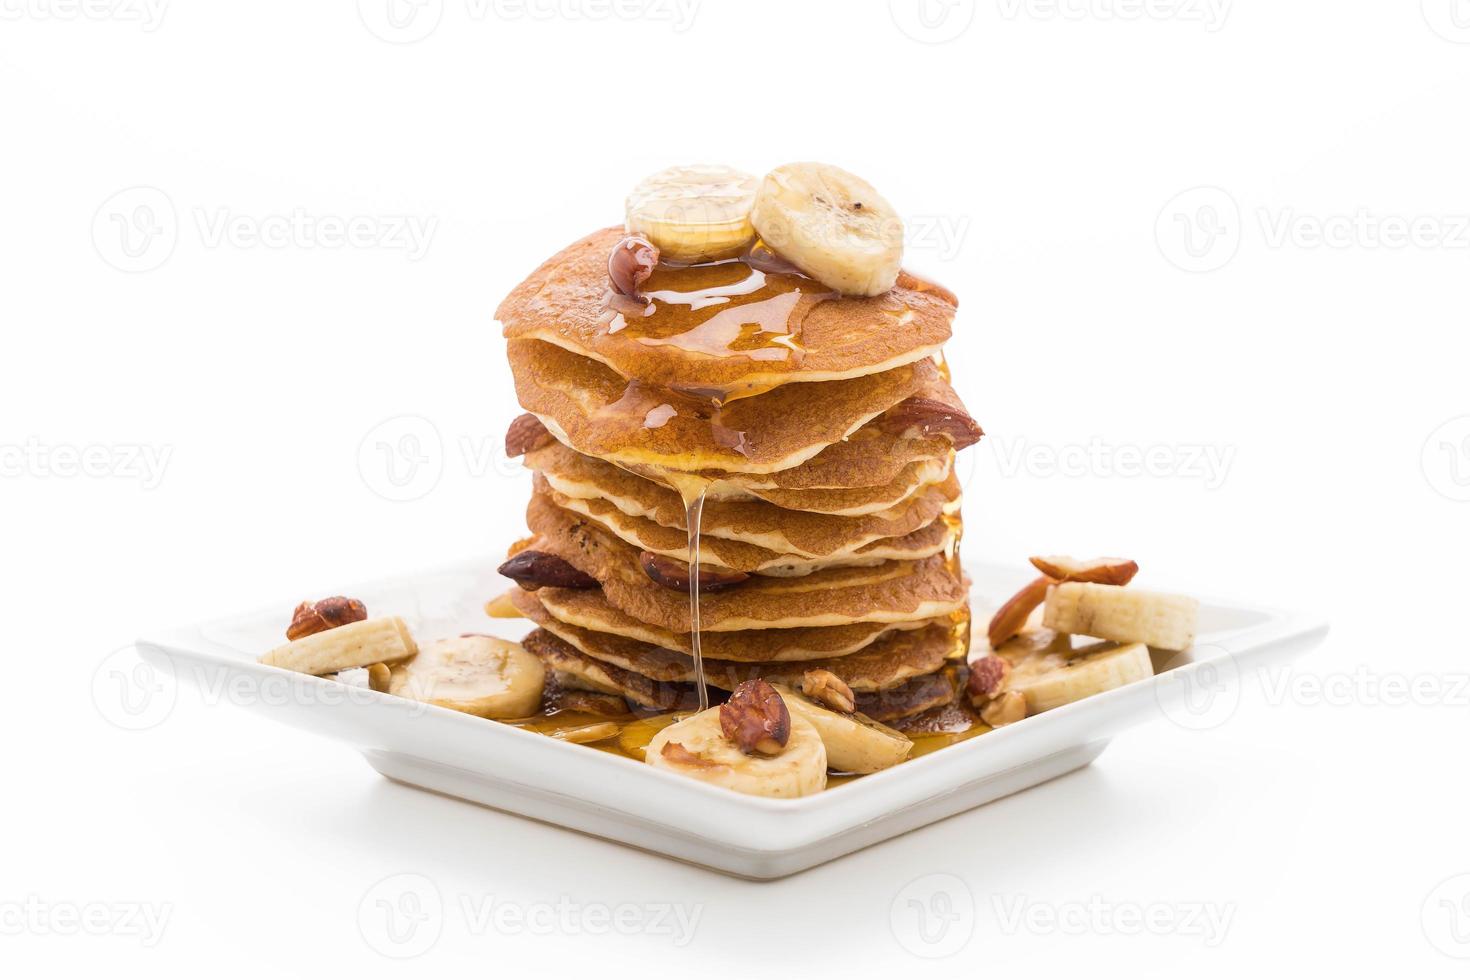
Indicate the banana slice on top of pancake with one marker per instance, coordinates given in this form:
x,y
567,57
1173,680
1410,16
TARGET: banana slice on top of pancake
x,y
832,225
698,213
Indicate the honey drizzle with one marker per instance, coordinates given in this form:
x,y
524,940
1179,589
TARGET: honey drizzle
x,y
693,519
692,490
727,309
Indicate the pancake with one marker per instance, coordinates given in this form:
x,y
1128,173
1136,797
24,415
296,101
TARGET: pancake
x,y
851,501
870,457
918,695
591,408
895,591
803,332
576,669
589,609
953,718
652,661
886,663
938,537
754,522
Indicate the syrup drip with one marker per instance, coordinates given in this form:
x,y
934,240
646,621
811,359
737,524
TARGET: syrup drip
x,y
959,620
692,491
693,518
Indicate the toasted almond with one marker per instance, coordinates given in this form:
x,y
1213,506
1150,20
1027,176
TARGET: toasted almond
x,y
1103,571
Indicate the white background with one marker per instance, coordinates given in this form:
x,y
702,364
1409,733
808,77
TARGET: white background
x,y
1039,154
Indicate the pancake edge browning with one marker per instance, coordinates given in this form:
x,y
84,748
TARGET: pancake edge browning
x,y
563,302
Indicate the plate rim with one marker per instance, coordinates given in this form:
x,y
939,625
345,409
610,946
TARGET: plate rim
x,y
781,826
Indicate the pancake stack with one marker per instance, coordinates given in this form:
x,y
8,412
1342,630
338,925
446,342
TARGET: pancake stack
x,y
806,437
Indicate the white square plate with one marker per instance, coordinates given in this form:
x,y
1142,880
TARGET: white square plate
x,y
621,800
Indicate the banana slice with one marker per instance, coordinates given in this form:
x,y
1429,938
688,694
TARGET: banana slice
x,y
1049,678
697,747
832,225
374,677
479,675
501,607
855,742
369,641
1112,612
694,214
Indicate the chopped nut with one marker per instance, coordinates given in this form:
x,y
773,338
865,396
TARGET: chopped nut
x,y
1011,617
310,618
827,689
756,719
987,675
631,263
674,574
380,677
526,433
1010,707
532,570
676,753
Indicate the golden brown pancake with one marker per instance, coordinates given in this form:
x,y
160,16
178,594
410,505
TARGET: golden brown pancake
x,y
886,663
575,668
938,537
919,694
773,529
851,501
896,591
591,408
954,718
589,609
790,329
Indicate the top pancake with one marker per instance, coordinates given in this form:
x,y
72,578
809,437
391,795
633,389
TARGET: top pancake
x,y
710,334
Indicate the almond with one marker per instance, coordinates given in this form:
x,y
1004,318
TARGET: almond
x,y
986,677
756,719
631,263
526,433
829,690
918,418
1103,571
1011,617
674,574
533,570
1007,709
310,618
